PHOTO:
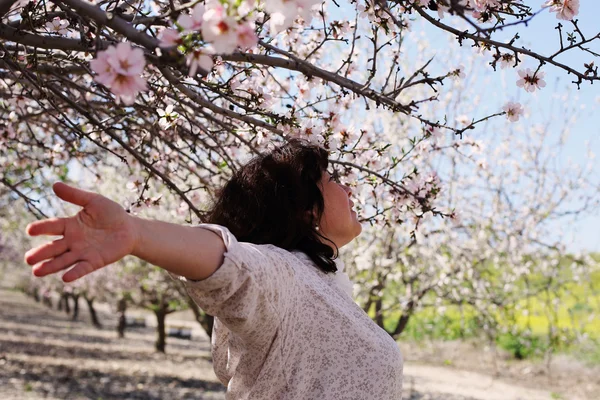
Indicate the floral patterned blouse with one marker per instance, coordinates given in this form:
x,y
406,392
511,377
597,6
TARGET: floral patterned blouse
x,y
286,330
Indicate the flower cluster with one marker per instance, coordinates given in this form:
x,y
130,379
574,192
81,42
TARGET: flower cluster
x,y
564,9
223,28
283,12
119,68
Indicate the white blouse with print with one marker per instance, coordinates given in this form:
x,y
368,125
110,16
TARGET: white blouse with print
x,y
286,330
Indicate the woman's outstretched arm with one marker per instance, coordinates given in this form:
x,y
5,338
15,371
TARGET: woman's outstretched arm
x,y
184,250
102,232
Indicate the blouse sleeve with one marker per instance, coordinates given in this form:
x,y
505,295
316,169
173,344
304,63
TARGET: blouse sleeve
x,y
248,292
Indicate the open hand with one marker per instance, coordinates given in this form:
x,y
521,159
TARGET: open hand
x,y
98,235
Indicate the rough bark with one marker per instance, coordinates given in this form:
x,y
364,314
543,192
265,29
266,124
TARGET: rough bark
x,y
161,314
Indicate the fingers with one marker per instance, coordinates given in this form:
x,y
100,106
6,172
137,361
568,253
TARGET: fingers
x,y
72,194
50,226
46,251
79,270
59,263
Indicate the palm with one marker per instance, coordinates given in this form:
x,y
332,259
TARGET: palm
x,y
98,235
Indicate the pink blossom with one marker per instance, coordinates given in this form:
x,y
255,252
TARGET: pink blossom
x,y
305,7
119,68
220,29
482,5
169,37
192,23
126,60
441,9
246,35
513,111
564,9
506,60
530,81
284,12
434,133
101,67
58,25
458,73
127,87
246,7
477,15
199,58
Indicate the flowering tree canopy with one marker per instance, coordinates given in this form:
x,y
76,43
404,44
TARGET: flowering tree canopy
x,y
156,103
185,93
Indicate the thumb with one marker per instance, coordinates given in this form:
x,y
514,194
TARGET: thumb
x,y
72,194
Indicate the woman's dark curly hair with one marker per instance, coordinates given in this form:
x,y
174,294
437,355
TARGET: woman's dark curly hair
x,y
268,201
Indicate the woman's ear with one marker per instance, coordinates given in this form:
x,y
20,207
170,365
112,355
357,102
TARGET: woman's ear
x,y
311,216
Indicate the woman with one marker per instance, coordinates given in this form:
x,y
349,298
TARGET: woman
x,y
264,266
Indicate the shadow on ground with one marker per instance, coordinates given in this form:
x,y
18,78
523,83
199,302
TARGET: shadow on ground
x,y
45,355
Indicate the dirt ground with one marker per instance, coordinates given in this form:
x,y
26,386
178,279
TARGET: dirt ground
x,y
45,355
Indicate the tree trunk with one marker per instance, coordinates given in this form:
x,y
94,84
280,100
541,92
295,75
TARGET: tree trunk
x,y
161,313
93,315
47,299
367,306
75,298
403,321
65,298
121,308
206,321
378,313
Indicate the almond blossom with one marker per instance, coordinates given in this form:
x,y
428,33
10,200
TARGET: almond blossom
x,y
168,117
246,35
434,133
506,60
458,73
219,28
126,60
170,37
564,9
284,12
101,67
482,5
529,80
513,111
441,9
192,22
199,58
57,25
119,68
